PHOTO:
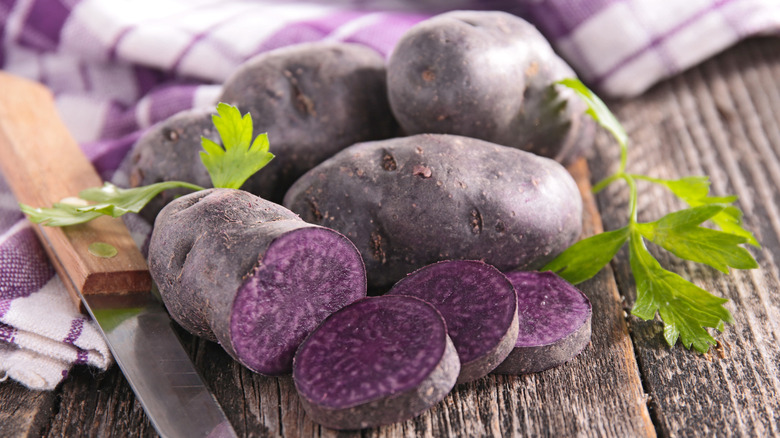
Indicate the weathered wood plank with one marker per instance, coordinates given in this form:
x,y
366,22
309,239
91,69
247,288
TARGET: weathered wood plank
x,y
719,119
24,413
98,405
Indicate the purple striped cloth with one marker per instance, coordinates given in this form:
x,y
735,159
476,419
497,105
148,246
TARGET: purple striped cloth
x,y
116,68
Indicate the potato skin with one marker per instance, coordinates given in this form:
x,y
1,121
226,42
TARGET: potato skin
x,y
411,201
313,100
170,151
487,75
227,231
250,274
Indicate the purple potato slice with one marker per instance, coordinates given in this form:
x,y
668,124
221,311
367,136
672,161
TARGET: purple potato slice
x,y
554,323
378,361
479,305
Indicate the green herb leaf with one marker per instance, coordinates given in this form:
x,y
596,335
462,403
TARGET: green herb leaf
x,y
232,166
59,215
680,234
114,201
730,221
688,189
110,201
685,308
694,191
585,258
597,109
688,217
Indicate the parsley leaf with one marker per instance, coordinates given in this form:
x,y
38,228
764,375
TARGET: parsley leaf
x,y
585,258
597,109
694,191
59,215
229,168
111,201
115,201
686,309
241,158
680,234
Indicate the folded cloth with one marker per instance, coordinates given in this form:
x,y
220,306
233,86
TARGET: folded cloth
x,y
116,68
41,330
622,47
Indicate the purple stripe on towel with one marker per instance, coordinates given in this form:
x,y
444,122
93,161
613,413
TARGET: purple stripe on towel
x,y
5,304
383,35
24,266
5,10
659,40
7,333
169,100
8,217
307,30
106,155
147,78
558,18
203,34
81,356
75,331
44,23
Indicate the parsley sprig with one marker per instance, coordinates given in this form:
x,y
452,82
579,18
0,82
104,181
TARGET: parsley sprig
x,y
685,309
229,167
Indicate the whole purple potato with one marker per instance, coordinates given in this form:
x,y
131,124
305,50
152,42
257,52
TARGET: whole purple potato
x,y
248,273
408,202
487,75
313,100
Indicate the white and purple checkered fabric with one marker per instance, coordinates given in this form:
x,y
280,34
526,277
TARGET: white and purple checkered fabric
x,y
117,67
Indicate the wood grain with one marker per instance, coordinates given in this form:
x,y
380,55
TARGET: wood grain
x,y
719,119
24,412
43,164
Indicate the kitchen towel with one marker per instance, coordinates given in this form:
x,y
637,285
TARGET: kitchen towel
x,y
117,67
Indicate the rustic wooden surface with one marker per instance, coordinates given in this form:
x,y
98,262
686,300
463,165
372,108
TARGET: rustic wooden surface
x,y
721,119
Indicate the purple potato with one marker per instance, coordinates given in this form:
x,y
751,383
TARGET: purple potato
x,y
234,268
378,361
313,100
487,75
479,305
409,202
170,151
554,323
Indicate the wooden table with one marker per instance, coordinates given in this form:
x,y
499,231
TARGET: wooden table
x,y
721,119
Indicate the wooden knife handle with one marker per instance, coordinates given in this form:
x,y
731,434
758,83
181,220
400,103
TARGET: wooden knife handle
x,y
43,164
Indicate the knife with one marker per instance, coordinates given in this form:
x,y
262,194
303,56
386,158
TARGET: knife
x,y
43,164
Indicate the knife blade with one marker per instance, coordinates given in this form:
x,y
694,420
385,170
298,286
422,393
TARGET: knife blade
x,y
43,164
